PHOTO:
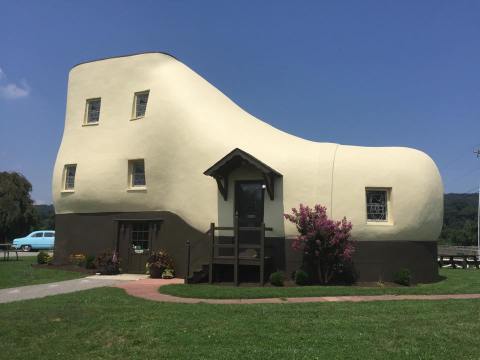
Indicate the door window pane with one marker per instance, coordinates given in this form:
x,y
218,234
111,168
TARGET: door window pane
x,y
140,237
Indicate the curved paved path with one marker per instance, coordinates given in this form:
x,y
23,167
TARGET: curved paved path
x,y
55,288
148,289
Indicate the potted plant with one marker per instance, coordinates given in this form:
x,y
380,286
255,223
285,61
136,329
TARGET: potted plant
x,y
108,263
158,262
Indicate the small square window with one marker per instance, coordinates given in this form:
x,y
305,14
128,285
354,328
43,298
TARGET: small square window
x,y
92,115
377,205
137,173
140,104
69,176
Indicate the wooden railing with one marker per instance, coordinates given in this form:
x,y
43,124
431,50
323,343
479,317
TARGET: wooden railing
x,y
235,246
457,250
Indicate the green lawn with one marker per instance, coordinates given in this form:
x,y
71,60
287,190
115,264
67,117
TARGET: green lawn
x,y
457,281
108,324
19,273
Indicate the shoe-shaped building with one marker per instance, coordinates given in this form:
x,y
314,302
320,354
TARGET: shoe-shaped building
x,y
152,154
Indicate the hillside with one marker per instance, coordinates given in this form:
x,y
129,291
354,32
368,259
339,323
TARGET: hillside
x,y
460,219
45,217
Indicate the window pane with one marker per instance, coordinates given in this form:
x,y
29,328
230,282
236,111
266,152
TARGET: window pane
x,y
141,100
138,173
38,235
377,205
70,171
93,110
49,234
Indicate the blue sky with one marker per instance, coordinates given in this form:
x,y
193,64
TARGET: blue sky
x,y
376,73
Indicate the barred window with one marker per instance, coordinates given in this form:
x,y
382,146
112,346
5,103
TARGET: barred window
x,y
140,104
93,111
137,173
377,203
70,171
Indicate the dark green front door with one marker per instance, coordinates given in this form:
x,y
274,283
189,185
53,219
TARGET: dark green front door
x,y
249,199
135,245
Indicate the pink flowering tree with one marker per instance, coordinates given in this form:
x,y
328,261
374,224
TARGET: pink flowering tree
x,y
326,244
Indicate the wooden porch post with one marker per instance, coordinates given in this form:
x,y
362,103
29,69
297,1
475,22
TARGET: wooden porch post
x,y
187,261
262,253
235,236
212,252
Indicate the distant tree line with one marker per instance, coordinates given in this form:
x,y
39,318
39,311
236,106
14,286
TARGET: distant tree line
x,y
460,220
18,214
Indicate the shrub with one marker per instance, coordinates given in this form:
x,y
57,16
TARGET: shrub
x,y
402,277
108,263
158,262
90,262
326,244
277,278
168,274
44,258
301,277
346,274
77,259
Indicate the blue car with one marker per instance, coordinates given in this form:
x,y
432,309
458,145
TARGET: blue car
x,y
37,240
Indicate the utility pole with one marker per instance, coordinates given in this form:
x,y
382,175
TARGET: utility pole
x,y
477,152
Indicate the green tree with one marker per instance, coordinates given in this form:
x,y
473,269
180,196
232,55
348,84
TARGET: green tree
x,y
17,214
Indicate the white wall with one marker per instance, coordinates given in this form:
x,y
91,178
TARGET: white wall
x,y
190,125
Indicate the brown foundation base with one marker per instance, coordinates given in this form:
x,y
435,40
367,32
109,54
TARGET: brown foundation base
x,y
94,233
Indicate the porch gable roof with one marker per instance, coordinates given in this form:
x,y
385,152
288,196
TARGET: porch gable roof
x,y
235,159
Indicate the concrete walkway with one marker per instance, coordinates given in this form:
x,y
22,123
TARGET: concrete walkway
x,y
139,286
60,287
148,289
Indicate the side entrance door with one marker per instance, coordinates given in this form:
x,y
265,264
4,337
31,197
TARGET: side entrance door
x,y
135,245
249,198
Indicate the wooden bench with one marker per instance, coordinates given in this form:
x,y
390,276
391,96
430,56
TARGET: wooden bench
x,y
7,248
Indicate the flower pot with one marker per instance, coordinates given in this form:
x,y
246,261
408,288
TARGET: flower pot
x,y
156,272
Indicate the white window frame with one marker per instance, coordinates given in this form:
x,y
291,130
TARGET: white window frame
x,y
65,178
87,112
389,217
134,107
131,185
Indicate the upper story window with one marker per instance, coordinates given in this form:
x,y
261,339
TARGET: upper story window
x,y
140,104
137,173
69,176
92,113
377,204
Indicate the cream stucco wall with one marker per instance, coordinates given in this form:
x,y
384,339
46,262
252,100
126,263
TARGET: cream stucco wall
x,y
189,125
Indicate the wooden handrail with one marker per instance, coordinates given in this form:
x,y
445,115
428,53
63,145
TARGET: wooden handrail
x,y
214,245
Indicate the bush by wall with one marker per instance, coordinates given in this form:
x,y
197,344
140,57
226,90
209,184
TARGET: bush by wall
x,y
326,244
108,263
158,262
44,258
301,277
277,278
403,277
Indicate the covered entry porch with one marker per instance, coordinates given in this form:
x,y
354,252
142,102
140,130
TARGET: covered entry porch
x,y
246,188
